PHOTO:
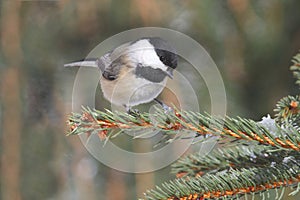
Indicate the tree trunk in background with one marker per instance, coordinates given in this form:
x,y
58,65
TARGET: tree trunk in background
x,y
10,96
10,158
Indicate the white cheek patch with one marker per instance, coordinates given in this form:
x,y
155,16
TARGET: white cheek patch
x,y
143,52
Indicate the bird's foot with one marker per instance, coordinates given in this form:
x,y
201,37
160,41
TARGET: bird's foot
x,y
133,112
166,108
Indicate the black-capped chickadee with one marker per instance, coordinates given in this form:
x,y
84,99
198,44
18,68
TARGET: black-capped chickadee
x,y
135,72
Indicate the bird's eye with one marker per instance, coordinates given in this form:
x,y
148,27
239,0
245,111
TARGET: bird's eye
x,y
161,58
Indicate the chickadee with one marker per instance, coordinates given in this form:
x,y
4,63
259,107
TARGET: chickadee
x,y
135,72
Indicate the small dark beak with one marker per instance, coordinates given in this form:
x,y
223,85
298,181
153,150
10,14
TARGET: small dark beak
x,y
169,73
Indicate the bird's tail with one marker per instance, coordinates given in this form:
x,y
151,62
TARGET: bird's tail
x,y
88,62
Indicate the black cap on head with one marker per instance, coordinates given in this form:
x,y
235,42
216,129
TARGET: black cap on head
x,y
166,52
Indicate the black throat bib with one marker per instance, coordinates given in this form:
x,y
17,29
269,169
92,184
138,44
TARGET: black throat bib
x,y
149,73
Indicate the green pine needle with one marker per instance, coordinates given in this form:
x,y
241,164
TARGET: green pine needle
x,y
288,111
236,157
230,183
95,121
227,172
295,68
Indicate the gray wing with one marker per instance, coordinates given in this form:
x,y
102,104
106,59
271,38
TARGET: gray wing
x,y
109,64
113,62
109,70
104,62
112,71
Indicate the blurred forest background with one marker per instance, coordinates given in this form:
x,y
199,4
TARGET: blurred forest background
x,y
252,43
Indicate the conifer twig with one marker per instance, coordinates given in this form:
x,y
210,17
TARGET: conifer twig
x,y
288,112
230,184
236,157
229,172
295,68
101,123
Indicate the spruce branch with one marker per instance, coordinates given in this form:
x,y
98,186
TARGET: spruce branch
x,y
104,123
288,111
265,157
230,184
295,68
237,157
231,172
